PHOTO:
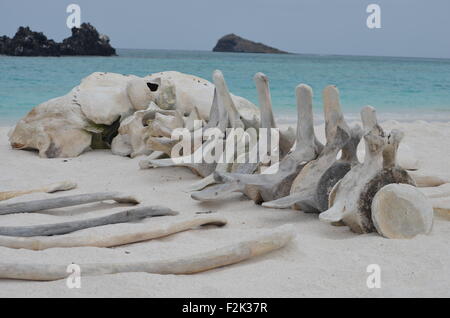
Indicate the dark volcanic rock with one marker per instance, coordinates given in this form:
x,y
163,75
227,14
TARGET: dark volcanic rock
x,y
234,43
28,43
87,41
84,41
4,43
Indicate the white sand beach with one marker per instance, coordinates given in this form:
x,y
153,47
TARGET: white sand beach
x,y
322,261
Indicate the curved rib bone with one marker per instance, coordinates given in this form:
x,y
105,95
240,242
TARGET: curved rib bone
x,y
303,191
46,204
69,227
230,254
138,233
55,187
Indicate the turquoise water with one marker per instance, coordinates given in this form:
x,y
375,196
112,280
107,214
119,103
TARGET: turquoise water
x,y
400,88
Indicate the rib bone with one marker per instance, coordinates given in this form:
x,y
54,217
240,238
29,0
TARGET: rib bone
x,y
46,204
139,232
230,254
68,227
55,187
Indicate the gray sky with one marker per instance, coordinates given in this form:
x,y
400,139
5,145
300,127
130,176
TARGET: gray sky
x,y
409,27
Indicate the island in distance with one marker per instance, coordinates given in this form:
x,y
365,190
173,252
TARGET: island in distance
x,y
84,40
234,43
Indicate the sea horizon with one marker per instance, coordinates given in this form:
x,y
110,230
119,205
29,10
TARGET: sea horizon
x,y
400,88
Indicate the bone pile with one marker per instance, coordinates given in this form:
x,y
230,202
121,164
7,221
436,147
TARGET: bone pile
x,y
72,234
136,116
310,177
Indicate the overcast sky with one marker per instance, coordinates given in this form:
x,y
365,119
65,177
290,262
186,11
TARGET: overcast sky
x,y
409,27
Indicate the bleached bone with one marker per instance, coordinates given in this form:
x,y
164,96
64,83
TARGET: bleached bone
x,y
286,141
217,118
165,144
440,199
218,257
224,110
170,121
61,202
346,193
64,126
287,138
162,144
441,206
143,164
72,226
193,121
401,211
424,180
339,169
133,132
437,192
226,102
154,109
276,184
157,129
353,195
304,187
139,232
226,187
201,169
55,187
267,121
121,145
210,180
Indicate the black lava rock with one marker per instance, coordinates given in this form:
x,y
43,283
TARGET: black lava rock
x,y
28,43
234,43
87,41
84,41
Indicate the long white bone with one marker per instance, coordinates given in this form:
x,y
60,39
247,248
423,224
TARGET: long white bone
x,y
72,226
55,187
218,257
54,203
138,232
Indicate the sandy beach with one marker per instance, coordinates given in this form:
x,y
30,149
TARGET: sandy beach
x,y
322,261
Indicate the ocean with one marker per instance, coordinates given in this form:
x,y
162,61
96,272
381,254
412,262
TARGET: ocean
x,y
404,89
